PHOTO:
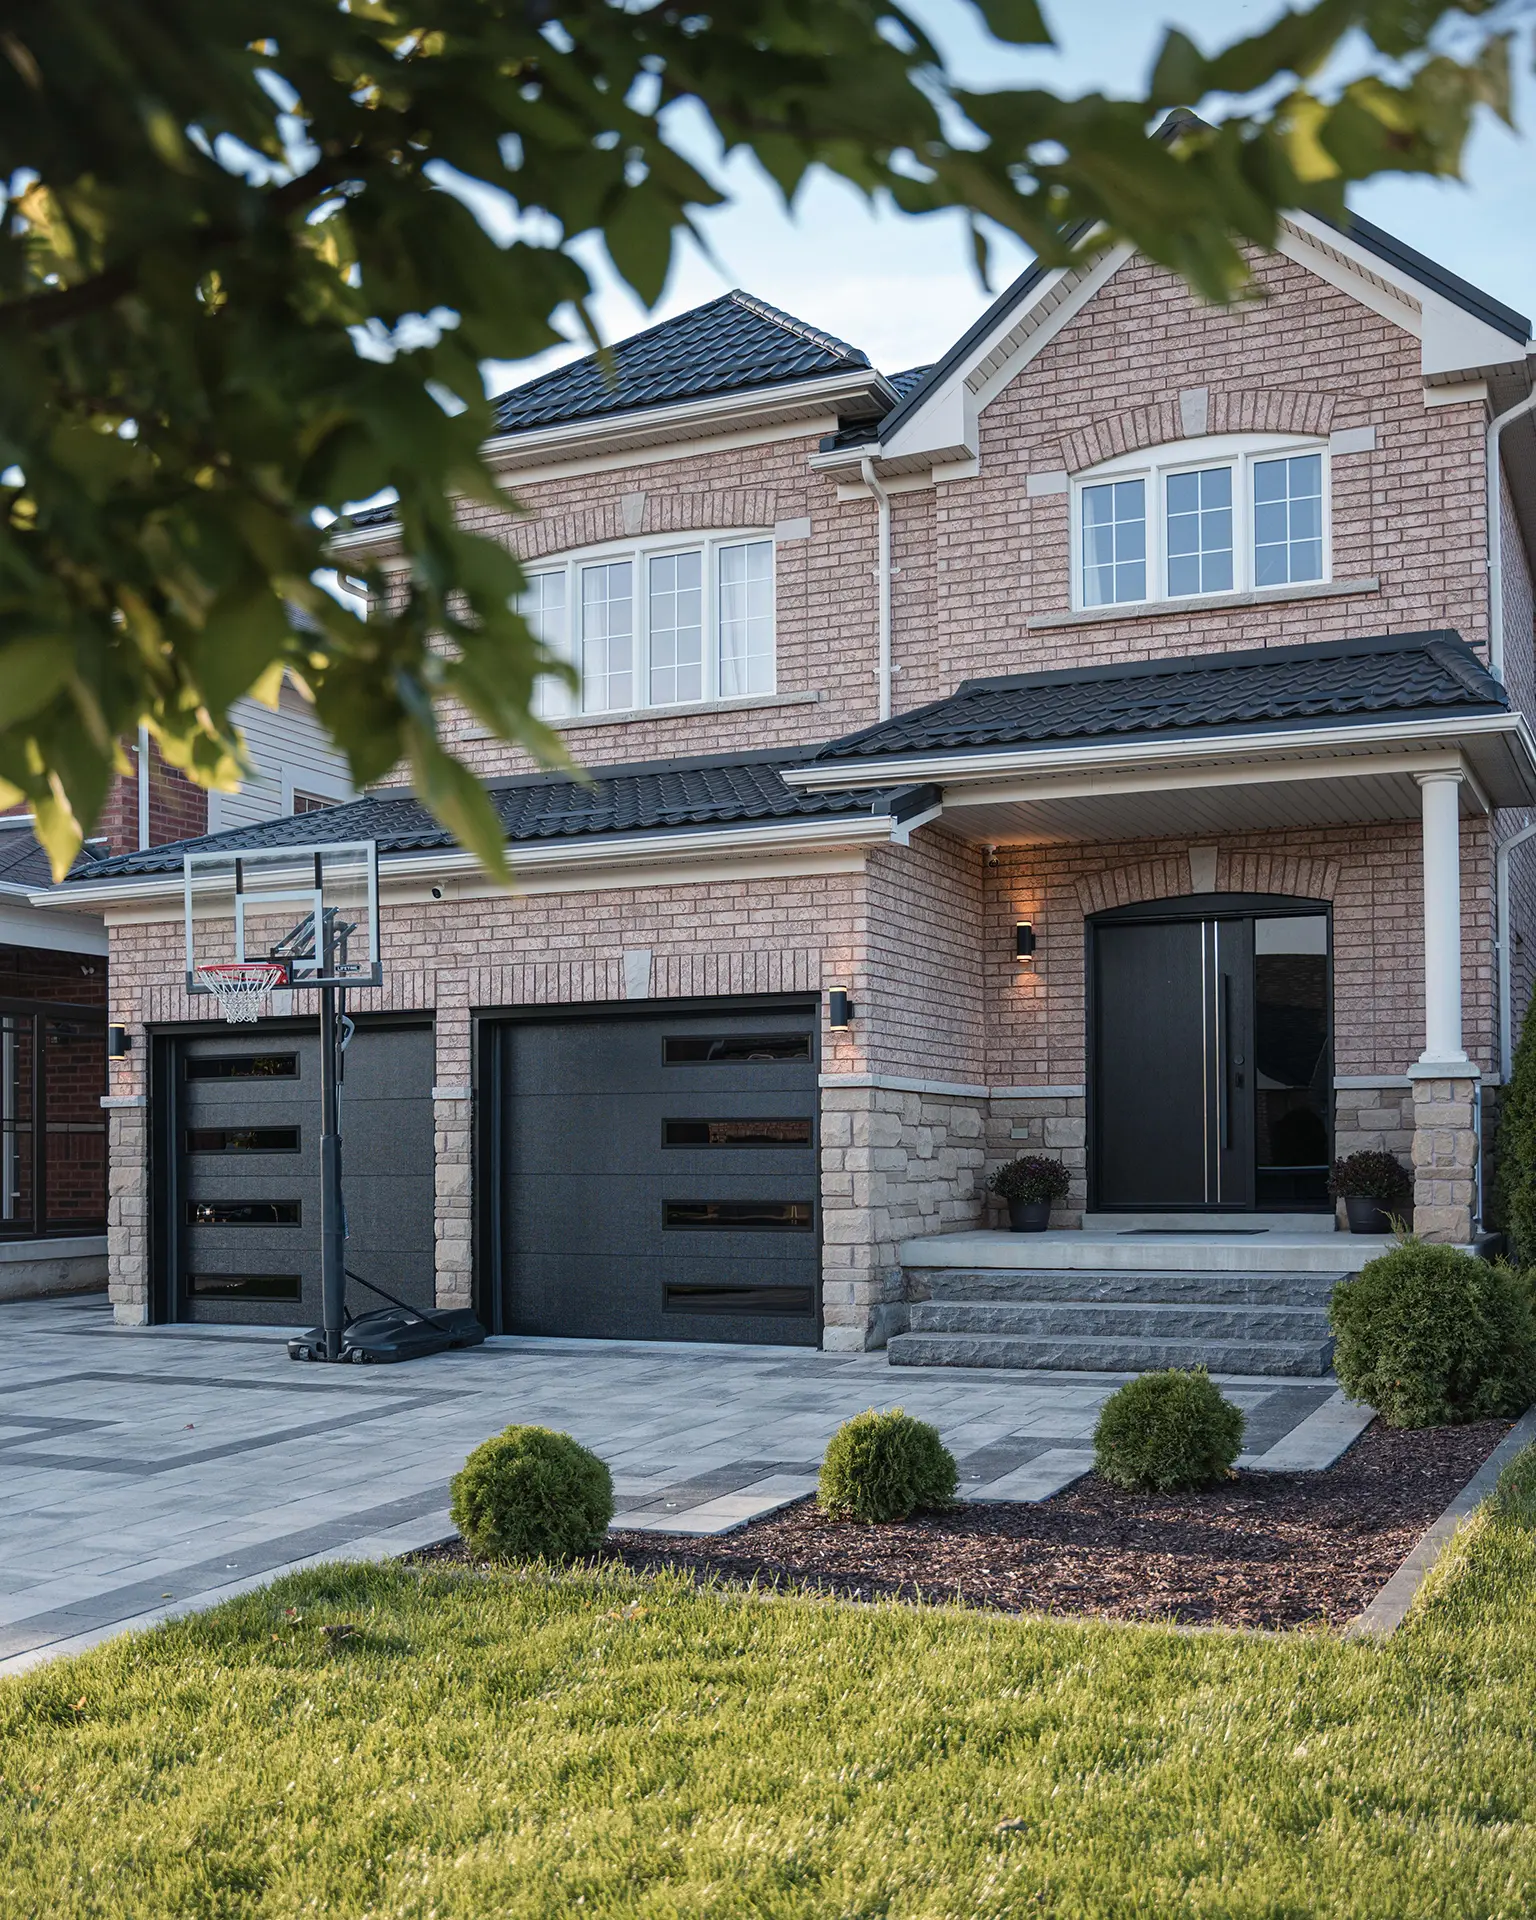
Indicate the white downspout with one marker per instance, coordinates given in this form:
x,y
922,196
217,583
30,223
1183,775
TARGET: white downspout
x,y
1495,486
1502,936
883,578
143,788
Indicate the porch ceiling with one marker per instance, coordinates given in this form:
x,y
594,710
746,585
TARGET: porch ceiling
x,y
1211,805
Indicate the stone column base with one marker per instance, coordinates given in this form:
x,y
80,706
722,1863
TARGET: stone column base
x,y
1445,1151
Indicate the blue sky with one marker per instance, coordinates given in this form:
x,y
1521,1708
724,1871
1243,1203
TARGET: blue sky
x,y
905,289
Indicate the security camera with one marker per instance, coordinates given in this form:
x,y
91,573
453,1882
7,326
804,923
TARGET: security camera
x,y
437,893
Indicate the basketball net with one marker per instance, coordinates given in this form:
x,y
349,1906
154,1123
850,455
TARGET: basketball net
x,y
241,986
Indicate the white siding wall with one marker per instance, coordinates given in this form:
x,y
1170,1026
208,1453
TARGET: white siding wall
x,y
291,754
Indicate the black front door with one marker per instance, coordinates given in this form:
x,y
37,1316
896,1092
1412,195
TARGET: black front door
x,y
658,1176
1211,1058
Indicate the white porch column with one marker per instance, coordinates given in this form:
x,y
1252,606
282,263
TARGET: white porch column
x,y
1441,802
1446,1094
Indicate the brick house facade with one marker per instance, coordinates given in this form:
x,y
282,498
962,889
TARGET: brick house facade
x,y
1341,751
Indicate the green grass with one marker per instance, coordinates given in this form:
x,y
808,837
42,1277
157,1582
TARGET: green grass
x,y
542,1744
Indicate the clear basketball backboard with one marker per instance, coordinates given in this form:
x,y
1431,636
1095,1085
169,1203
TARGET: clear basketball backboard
x,y
313,911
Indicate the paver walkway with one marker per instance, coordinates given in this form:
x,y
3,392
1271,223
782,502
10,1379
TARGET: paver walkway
x,y
144,1473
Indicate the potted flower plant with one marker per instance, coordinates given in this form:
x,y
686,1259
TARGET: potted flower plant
x,y
1374,1187
1030,1185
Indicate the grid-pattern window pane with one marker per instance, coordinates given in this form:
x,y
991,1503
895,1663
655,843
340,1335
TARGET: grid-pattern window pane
x,y
746,618
677,627
1199,531
607,637
1114,542
1288,520
542,605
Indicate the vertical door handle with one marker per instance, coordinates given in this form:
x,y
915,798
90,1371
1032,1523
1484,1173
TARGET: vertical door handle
x,y
1224,1091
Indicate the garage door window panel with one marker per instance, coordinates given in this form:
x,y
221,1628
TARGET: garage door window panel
x,y
742,1132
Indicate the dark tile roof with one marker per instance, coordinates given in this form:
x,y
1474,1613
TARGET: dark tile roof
x,y
725,346
1274,687
537,808
23,862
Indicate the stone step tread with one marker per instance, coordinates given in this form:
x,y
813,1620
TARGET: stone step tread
x,y
1090,1353
1161,1319
1213,1289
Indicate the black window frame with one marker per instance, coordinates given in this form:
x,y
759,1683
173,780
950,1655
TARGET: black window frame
x,y
37,1225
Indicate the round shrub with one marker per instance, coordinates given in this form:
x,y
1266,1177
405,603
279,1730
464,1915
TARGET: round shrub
x,y
531,1494
1167,1432
1430,1336
884,1466
1032,1179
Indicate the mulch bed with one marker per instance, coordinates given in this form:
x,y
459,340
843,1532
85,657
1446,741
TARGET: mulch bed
x,y
1266,1550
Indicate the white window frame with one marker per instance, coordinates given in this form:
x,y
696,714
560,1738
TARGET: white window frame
x,y
1153,465
565,706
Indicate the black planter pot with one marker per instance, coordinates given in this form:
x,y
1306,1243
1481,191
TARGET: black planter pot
x,y
1029,1216
1365,1214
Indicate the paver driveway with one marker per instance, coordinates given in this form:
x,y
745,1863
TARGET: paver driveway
x,y
146,1472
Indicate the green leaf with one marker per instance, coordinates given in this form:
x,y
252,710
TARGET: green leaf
x,y
31,673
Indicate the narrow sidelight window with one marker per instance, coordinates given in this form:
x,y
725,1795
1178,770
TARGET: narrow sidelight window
x,y
607,636
1114,542
1288,520
1199,531
746,618
677,627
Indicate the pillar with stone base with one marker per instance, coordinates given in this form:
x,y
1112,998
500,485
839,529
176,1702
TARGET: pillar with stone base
x,y
1446,1140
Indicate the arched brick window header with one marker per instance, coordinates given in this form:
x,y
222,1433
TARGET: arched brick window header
x,y
1170,878
1234,410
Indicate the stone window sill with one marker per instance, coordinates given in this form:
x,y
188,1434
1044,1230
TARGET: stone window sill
x,y
1203,603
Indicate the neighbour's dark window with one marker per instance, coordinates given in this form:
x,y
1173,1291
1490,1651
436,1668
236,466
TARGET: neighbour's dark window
x,y
736,1133
242,1140
685,1049
246,1286
243,1066
683,1297
242,1213
739,1216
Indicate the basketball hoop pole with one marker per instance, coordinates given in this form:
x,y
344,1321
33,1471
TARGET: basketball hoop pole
x,y
333,1253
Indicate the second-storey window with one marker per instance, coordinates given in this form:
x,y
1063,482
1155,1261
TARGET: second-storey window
x,y
1201,517
656,624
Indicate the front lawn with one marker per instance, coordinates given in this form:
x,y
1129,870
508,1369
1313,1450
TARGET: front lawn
x,y
597,1743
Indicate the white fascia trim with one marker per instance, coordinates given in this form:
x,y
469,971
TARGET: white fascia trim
x,y
619,852
22,925
1451,340
987,770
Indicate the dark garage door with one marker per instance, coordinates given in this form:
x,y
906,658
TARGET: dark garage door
x,y
659,1176
244,1216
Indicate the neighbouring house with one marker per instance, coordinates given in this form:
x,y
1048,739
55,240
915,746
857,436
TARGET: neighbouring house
x,y
1112,740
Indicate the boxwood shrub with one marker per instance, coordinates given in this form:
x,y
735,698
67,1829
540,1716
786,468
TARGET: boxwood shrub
x,y
1167,1433
884,1466
532,1494
1430,1336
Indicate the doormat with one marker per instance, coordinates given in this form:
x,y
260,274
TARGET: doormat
x,y
1192,1233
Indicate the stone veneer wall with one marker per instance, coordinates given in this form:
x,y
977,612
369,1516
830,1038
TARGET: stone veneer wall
x,y
895,1163
1052,1121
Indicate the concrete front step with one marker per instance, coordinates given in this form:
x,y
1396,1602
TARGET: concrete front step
x,y
1097,1353
1286,1225
1157,1321
1131,1286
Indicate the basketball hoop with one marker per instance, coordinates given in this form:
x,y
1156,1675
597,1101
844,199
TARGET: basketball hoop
x,y
240,986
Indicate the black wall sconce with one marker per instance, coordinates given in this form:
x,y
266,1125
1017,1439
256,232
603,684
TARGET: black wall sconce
x,y
1024,942
119,1043
839,1009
